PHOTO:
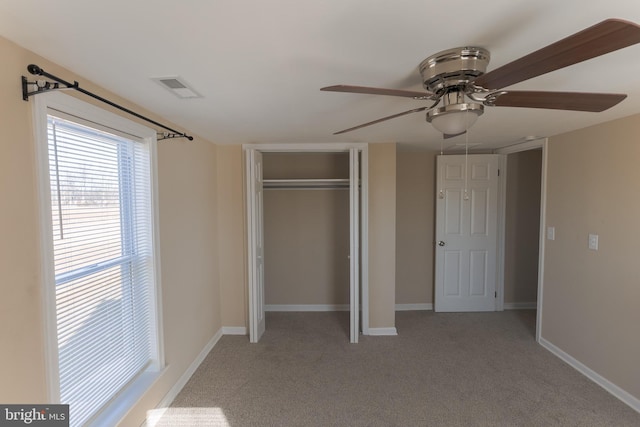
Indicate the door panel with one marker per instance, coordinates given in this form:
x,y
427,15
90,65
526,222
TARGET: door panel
x,y
466,231
452,214
480,172
354,251
259,243
480,212
452,267
256,245
478,273
454,172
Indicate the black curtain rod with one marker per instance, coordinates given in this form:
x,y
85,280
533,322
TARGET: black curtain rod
x,y
35,70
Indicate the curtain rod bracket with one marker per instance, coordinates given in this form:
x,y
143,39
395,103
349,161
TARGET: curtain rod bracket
x,y
169,135
57,83
40,87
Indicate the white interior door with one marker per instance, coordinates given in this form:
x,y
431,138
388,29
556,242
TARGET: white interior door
x,y
466,232
354,249
256,245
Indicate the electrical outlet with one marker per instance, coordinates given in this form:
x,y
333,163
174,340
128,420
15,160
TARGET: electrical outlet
x,y
593,242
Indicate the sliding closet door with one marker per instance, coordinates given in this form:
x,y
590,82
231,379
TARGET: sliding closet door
x,y
354,251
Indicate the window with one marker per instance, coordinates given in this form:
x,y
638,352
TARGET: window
x,y
103,262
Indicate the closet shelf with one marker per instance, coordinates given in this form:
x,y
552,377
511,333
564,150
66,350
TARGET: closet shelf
x,y
305,183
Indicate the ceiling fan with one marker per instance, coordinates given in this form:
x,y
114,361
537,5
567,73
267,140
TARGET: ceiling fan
x,y
456,79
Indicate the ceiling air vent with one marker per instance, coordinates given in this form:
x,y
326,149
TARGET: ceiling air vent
x,y
177,86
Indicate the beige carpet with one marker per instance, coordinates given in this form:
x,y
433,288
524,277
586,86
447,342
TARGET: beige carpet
x,y
443,369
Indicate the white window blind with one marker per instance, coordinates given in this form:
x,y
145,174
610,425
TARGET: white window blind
x,y
101,214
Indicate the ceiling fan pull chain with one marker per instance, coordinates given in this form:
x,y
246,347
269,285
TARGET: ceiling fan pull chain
x,y
465,195
441,192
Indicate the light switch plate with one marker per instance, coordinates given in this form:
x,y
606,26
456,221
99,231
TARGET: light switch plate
x,y
551,233
593,242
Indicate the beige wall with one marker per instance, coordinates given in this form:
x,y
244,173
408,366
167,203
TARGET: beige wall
x,y
21,335
590,302
415,226
306,240
232,236
306,232
187,200
189,257
306,165
522,226
382,235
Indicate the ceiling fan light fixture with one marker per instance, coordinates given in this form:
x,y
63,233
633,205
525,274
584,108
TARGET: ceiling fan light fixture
x,y
454,119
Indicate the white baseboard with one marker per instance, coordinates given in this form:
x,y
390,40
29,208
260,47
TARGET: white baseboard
x,y
182,381
429,306
306,307
616,391
382,331
414,307
234,330
520,305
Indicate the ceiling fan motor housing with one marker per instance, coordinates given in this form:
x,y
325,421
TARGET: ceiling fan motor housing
x,y
453,69
449,74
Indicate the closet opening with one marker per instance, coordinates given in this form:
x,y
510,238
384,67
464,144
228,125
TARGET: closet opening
x,y
306,211
306,239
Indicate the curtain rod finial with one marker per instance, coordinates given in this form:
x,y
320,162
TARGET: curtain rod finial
x,y
34,69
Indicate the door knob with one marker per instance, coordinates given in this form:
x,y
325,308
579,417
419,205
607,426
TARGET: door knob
x,y
440,243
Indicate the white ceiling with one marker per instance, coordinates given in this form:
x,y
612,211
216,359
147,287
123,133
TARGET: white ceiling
x,y
260,64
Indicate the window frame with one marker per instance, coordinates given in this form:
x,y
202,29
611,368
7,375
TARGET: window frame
x,y
100,119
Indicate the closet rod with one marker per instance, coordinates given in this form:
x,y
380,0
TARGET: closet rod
x,y
305,184
46,86
306,187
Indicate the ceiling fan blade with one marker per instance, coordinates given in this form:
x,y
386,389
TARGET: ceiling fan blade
x,y
602,38
447,136
415,110
576,101
379,91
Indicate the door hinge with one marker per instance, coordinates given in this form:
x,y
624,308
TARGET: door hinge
x,y
498,172
495,294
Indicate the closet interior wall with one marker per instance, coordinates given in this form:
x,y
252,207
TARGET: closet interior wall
x,y
306,230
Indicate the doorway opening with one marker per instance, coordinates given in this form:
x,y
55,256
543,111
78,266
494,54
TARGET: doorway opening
x,y
522,230
522,226
306,235
520,236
